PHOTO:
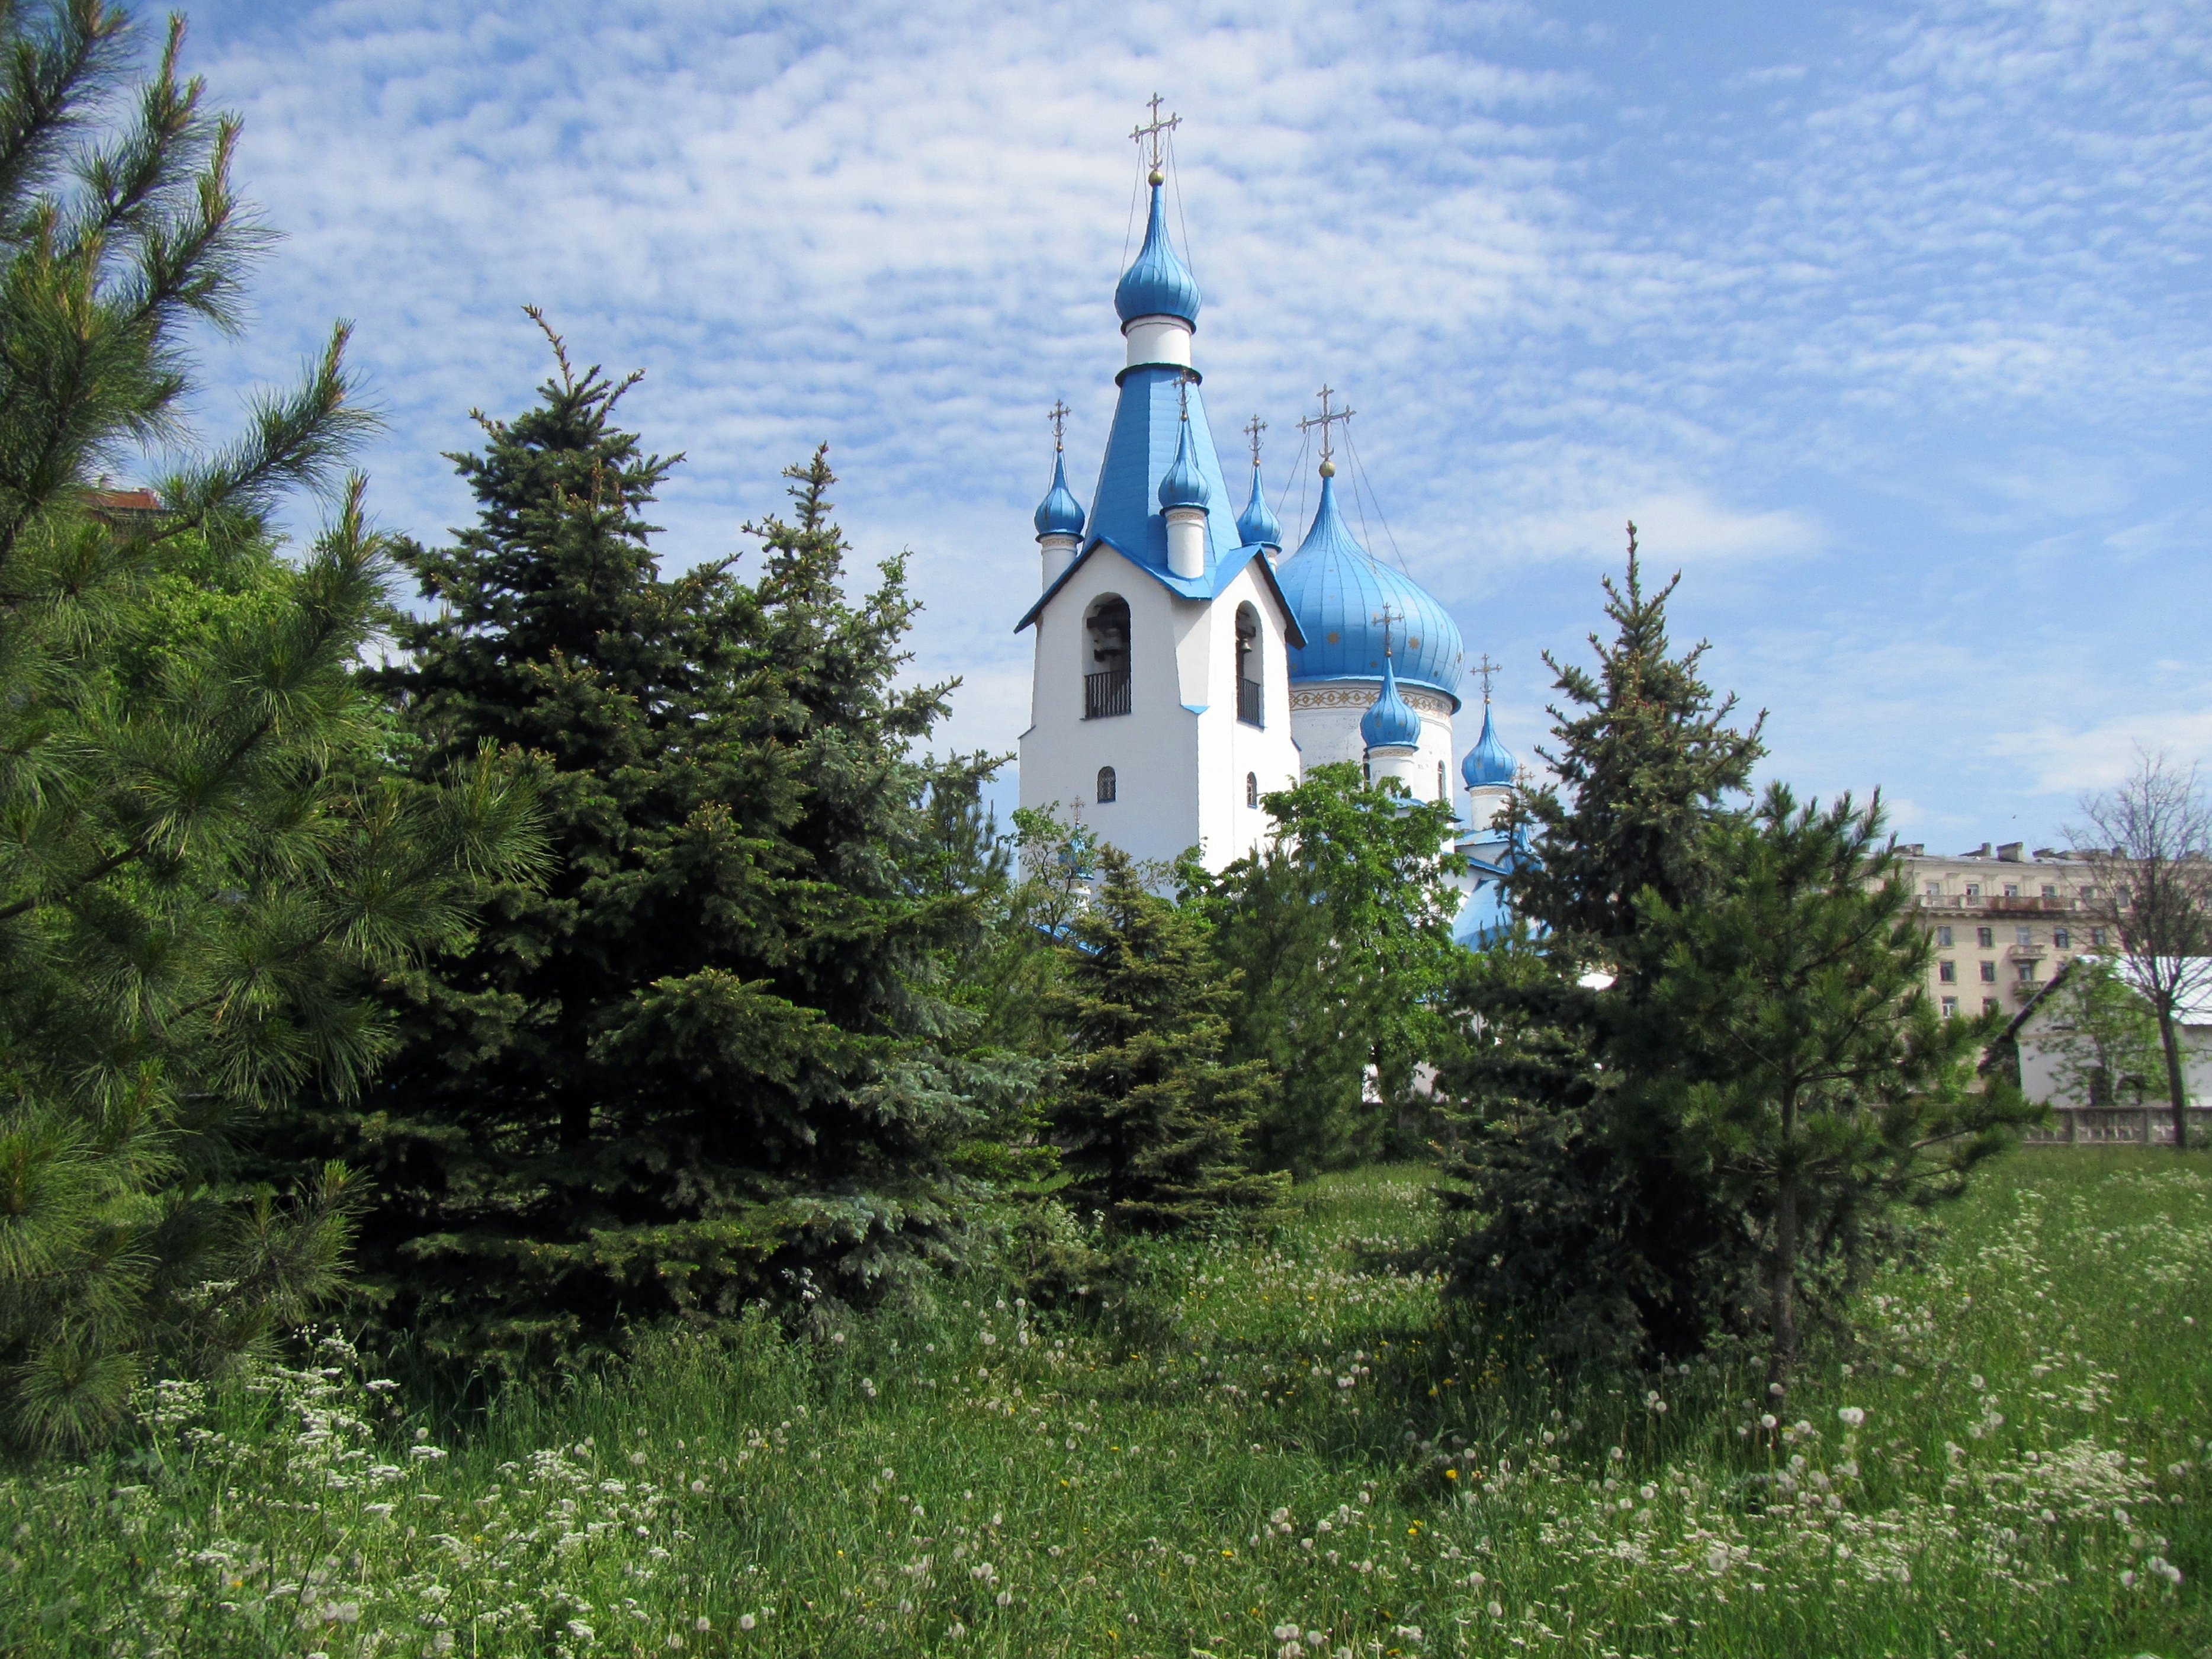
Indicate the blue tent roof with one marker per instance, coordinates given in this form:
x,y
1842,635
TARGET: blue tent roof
x,y
1060,513
1159,285
1338,591
1389,721
1255,524
1489,762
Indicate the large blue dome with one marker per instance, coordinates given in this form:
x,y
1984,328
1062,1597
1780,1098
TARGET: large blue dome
x,y
1159,285
1336,592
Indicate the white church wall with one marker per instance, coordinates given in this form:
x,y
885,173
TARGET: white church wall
x,y
1228,748
1180,756
1327,717
1155,813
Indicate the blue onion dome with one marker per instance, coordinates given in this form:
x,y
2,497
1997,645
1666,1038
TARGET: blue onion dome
x,y
1490,763
1255,525
1060,513
1159,285
1183,484
1336,591
1390,721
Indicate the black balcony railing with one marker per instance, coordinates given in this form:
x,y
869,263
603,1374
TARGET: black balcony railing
x,y
1106,694
1248,705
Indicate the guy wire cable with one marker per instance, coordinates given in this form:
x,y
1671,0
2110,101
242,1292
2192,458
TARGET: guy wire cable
x,y
1369,485
1298,469
1175,172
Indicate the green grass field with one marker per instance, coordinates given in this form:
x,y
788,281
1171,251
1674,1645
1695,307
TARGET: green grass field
x,y
1299,1455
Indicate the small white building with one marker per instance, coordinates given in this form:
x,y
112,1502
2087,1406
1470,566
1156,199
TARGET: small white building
x,y
2054,1072
1184,667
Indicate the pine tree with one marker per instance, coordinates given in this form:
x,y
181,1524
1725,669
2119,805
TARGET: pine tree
x,y
1809,1083
1563,1195
1153,1123
202,868
712,1059
1339,934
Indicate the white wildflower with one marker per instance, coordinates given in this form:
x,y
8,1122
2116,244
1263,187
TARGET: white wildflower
x,y
1851,1416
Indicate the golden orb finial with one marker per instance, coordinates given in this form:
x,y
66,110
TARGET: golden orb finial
x,y
1156,177
1329,469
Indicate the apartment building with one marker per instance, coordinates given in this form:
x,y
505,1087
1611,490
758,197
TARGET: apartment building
x,y
2005,920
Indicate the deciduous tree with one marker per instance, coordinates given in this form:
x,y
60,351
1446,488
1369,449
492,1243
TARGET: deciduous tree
x,y
2149,842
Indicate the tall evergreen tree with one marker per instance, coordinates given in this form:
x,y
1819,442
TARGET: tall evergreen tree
x,y
1339,934
710,1060
1808,1082
1562,1190
202,868
1153,1124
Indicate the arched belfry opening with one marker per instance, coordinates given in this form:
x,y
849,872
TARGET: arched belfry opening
x,y
1251,703
1106,654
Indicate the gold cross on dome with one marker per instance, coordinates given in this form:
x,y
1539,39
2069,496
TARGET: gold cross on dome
x,y
1253,429
1153,133
1384,618
1325,420
1058,415
1485,668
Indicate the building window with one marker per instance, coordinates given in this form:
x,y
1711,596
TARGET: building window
x,y
1251,788
1934,890
1989,973
1442,793
2048,891
2096,939
1943,937
2061,939
1973,890
2024,971
1950,1007
1106,786
1250,708
1989,1005
2088,892
1106,675
2023,936
1986,938
2012,889
1948,972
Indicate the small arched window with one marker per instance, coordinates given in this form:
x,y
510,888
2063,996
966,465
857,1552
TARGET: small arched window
x,y
1441,792
1106,788
1251,788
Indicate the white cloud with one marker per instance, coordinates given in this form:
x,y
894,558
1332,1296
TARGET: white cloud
x,y
1892,335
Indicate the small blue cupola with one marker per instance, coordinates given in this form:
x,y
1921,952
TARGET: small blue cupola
x,y
1490,764
1255,524
1159,285
1183,484
1060,513
1390,721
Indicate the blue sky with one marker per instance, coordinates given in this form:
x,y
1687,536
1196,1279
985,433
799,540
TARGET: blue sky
x,y
1887,324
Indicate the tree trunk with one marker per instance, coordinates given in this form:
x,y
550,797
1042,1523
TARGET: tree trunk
x,y
1781,1290
2170,1040
1782,1272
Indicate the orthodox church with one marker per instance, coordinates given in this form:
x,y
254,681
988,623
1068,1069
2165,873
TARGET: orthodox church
x,y
1186,666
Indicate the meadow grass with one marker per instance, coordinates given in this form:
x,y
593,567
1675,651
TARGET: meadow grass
x,y
1277,1449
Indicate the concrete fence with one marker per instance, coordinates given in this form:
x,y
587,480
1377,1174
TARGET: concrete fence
x,y
2107,1126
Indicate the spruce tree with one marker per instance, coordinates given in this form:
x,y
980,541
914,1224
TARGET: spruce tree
x,y
1562,1192
203,868
1153,1123
711,1060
